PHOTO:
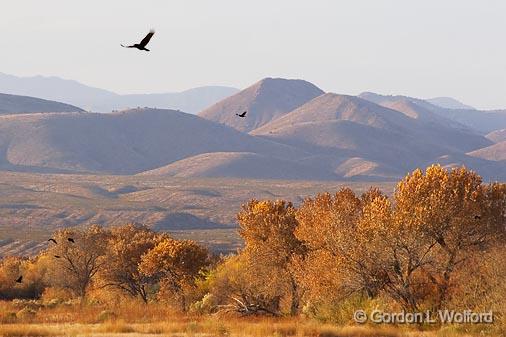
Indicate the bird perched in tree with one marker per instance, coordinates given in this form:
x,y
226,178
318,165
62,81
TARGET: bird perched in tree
x,y
142,45
52,240
71,240
19,279
242,115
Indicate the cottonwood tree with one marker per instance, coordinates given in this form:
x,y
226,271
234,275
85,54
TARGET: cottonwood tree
x,y
395,253
337,263
456,213
127,244
267,228
175,264
80,261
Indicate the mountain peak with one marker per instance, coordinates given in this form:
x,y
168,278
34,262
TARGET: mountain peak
x,y
266,100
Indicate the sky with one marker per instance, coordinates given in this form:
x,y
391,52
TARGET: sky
x,y
423,48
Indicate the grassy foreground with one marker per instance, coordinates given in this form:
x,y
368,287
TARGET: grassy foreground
x,y
129,319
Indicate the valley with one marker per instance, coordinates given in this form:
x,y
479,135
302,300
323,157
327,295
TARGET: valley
x,y
32,206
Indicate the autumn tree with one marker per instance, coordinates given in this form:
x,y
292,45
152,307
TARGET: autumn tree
x,y
267,228
175,264
230,287
395,254
337,263
75,265
410,248
126,246
455,213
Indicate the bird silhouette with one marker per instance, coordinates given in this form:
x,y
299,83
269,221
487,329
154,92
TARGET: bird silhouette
x,y
19,279
53,240
71,240
142,45
57,256
477,217
242,115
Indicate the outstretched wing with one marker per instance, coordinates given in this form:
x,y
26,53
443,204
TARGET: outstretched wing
x,y
148,37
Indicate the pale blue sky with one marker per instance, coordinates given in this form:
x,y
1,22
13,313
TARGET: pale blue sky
x,y
421,48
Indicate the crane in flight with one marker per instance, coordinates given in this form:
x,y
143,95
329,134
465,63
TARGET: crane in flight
x,y
142,45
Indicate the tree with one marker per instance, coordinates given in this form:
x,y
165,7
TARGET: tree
x,y
126,246
78,262
409,249
175,264
268,228
455,214
30,269
337,260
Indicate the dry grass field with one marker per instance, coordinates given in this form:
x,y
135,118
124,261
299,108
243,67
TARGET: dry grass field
x,y
135,320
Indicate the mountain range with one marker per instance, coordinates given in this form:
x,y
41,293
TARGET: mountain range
x,y
100,100
293,130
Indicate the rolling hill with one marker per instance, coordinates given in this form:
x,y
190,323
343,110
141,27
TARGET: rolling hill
x,y
496,152
245,165
14,104
100,100
265,101
497,136
355,135
118,143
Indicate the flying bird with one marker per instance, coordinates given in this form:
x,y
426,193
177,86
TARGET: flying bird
x,y
20,279
52,240
71,240
142,45
477,217
57,256
242,115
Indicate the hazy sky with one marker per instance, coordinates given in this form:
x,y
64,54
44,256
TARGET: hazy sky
x,y
422,48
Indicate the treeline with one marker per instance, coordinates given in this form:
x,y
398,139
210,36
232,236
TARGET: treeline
x,y
438,242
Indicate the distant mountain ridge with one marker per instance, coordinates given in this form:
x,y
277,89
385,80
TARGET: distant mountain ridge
x,y
14,104
293,130
100,100
483,121
449,103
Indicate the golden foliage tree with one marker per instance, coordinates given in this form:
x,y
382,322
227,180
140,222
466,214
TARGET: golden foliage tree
x,y
411,249
336,264
267,228
126,246
175,264
11,268
455,214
